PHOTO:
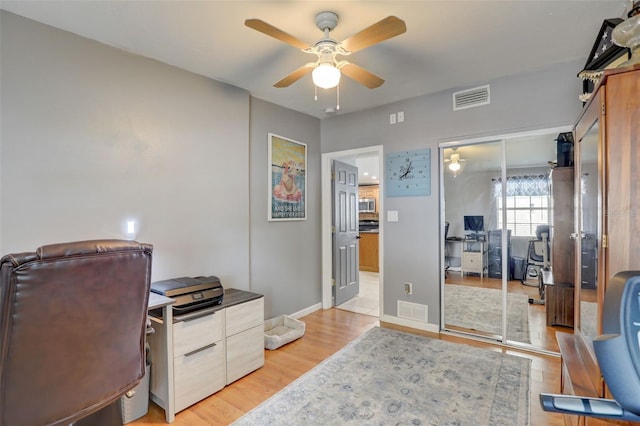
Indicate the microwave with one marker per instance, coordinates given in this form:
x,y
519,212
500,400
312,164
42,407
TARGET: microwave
x,y
367,205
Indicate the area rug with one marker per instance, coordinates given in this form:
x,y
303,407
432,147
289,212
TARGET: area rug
x,y
388,377
480,309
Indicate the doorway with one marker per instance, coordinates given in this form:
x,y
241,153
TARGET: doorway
x,y
327,211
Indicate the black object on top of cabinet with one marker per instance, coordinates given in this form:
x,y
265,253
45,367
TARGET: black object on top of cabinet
x,y
495,253
564,149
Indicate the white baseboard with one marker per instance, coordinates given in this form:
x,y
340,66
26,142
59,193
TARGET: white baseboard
x,y
424,326
432,328
307,311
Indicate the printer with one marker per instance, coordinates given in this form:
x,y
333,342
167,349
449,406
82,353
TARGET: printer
x,y
191,294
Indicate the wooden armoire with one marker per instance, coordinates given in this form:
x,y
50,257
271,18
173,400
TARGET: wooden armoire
x,y
607,216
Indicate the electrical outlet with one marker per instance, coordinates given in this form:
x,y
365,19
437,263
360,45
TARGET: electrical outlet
x,y
408,288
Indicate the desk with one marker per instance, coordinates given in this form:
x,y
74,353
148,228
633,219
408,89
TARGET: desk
x,y
157,301
165,397
474,257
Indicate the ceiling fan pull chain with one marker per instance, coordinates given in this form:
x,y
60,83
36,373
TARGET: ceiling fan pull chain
x,y
338,97
315,92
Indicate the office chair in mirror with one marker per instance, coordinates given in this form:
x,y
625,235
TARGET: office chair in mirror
x,y
538,259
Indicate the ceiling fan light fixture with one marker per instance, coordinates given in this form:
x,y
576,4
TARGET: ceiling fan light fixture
x,y
326,75
454,166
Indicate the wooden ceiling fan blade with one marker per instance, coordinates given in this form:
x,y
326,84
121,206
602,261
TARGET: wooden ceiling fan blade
x,y
380,31
295,76
361,75
270,30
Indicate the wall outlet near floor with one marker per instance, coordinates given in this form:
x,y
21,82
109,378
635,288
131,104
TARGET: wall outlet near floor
x,y
408,288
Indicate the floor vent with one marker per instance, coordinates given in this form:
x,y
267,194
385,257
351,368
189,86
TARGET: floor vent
x,y
413,311
471,98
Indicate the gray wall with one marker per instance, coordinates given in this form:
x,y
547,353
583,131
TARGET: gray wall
x,y
92,136
285,256
469,194
542,99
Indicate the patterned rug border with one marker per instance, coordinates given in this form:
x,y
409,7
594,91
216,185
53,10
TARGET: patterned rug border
x,y
524,397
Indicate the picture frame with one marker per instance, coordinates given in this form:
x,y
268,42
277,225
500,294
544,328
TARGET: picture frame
x,y
287,177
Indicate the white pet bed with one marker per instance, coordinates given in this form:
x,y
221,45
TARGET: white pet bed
x,y
282,330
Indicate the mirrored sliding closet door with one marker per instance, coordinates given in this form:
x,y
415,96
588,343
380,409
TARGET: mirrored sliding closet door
x,y
498,240
472,301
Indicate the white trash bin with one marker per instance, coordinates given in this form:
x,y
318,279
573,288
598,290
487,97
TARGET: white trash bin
x,y
138,405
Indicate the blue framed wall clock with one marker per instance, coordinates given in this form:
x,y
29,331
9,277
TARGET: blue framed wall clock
x,y
408,173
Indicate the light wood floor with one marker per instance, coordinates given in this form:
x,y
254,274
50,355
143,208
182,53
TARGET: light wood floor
x,y
327,331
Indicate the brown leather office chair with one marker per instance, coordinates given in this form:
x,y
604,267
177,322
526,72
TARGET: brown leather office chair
x,y
72,329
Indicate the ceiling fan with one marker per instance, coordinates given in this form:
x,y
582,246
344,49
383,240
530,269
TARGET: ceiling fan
x,y
454,160
327,68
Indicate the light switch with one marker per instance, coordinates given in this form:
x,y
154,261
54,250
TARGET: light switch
x,y
400,116
392,119
392,216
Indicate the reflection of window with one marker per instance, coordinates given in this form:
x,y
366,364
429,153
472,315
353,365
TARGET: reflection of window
x,y
526,203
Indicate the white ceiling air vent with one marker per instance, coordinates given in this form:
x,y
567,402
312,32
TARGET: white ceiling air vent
x,y
471,98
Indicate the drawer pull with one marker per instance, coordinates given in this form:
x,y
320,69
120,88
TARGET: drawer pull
x,y
196,315
200,349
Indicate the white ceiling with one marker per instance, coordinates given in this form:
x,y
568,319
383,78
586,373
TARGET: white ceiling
x,y
448,44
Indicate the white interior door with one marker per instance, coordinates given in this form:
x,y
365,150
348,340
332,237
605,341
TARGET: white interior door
x,y
345,232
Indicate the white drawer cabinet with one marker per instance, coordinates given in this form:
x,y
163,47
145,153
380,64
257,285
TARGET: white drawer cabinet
x,y
244,316
245,353
245,338
474,257
472,262
197,361
199,374
197,333
195,358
